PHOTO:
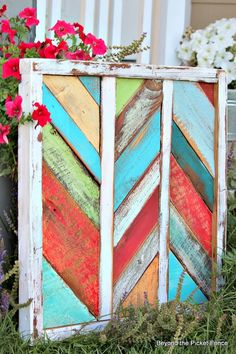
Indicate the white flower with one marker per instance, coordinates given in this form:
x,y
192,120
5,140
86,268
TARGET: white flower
x,y
222,57
206,55
226,26
185,52
223,40
198,40
230,68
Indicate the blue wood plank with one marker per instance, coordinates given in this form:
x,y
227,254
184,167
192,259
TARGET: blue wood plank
x,y
192,165
73,135
92,84
60,306
195,117
175,271
135,159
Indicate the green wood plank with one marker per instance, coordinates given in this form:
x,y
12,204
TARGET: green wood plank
x,y
125,89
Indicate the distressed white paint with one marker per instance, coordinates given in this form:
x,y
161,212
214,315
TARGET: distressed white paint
x,y
103,20
89,16
108,113
41,15
65,67
136,267
147,28
128,210
30,208
165,189
117,22
56,6
222,191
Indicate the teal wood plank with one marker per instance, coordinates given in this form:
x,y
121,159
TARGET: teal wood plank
x,y
187,248
175,271
192,166
60,305
195,116
92,84
72,134
135,159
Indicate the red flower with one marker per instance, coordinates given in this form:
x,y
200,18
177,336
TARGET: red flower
x,y
62,46
29,14
3,10
14,108
98,45
62,28
80,31
7,29
4,131
78,55
24,46
41,114
11,68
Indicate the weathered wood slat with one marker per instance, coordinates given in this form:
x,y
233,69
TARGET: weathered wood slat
x,y
190,206
71,173
190,252
93,85
192,166
146,287
71,243
131,165
60,305
135,235
136,113
175,271
208,90
194,114
78,103
72,134
135,201
125,90
136,267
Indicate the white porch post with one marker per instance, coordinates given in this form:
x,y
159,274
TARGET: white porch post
x,y
174,16
41,15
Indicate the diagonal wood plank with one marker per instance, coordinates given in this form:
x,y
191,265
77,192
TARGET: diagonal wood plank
x,y
139,109
190,206
125,89
72,134
60,305
78,103
135,200
93,85
71,173
190,252
71,242
131,164
194,114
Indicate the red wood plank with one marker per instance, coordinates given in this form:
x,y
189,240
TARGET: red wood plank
x,y
208,90
136,234
190,206
70,241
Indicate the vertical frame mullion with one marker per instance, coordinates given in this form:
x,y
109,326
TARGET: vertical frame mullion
x,y
108,112
166,119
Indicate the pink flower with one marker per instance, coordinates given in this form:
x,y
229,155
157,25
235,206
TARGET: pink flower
x,y
4,131
24,46
29,14
78,55
7,29
62,28
80,30
3,10
11,68
14,108
98,45
41,114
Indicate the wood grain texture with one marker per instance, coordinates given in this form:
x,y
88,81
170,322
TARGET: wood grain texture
x,y
146,288
136,113
92,84
136,234
192,166
175,271
125,90
189,251
60,305
135,200
71,173
78,103
71,243
208,90
190,206
72,134
194,115
136,267
131,165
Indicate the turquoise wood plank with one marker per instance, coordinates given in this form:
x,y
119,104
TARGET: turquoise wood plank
x,y
135,159
60,306
187,248
175,271
73,135
195,117
92,84
192,165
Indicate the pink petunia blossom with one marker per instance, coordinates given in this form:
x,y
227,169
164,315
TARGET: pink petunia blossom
x,y
98,45
14,108
41,114
78,55
4,131
62,28
7,29
29,14
11,68
3,10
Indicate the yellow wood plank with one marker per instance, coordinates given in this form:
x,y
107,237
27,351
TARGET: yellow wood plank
x,y
78,103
